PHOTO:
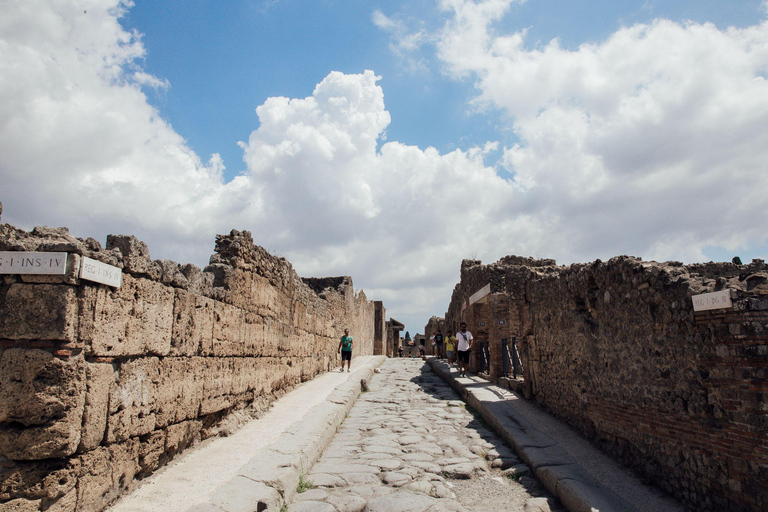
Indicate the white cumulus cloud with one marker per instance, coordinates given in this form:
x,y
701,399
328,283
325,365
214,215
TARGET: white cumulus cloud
x,y
652,142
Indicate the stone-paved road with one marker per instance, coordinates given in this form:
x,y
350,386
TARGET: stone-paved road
x,y
410,445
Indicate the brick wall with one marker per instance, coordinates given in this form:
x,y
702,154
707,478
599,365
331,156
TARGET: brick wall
x,y
100,385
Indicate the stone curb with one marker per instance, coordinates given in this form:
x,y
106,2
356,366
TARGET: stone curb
x,y
271,477
576,488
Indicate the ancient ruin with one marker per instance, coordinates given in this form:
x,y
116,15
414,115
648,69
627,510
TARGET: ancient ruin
x,y
663,365
112,363
102,384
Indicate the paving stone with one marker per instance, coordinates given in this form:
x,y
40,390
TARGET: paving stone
x,y
427,466
311,506
431,448
326,480
452,460
422,486
335,469
377,448
360,478
416,456
347,502
396,478
463,471
401,501
387,464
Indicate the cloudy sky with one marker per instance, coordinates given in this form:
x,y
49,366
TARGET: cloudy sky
x,y
389,140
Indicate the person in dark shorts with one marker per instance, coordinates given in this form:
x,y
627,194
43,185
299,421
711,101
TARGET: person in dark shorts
x,y
465,339
345,347
439,344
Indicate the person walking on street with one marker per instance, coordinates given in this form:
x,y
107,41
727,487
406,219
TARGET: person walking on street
x,y
345,348
439,344
465,339
450,347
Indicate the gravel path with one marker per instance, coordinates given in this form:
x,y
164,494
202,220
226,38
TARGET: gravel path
x,y
410,445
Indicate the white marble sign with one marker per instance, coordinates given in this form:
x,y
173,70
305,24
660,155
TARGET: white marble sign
x,y
714,300
99,272
49,263
480,294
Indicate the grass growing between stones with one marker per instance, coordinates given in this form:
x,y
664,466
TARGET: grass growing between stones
x,y
304,484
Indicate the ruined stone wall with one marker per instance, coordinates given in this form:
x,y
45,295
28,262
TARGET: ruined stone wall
x,y
100,385
615,349
619,353
504,313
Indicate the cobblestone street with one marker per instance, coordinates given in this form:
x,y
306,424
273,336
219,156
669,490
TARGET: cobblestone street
x,y
410,444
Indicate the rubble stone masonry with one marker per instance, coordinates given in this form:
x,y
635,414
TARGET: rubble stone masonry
x,y
101,385
616,350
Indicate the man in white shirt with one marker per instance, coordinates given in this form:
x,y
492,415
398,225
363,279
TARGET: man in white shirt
x,y
464,339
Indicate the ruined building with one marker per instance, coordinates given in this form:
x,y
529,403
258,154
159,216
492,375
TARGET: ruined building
x,y
663,365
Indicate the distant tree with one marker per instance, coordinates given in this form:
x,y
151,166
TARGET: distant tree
x,y
407,336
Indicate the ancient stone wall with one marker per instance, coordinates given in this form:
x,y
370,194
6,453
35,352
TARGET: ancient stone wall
x,y
618,352
101,385
615,349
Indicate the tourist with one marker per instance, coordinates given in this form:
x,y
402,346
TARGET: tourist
x,y
464,337
450,347
439,344
421,347
345,347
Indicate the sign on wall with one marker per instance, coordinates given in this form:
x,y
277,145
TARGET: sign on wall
x,y
48,263
714,300
479,295
99,272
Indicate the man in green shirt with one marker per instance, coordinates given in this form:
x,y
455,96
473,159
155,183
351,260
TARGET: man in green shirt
x,y
345,347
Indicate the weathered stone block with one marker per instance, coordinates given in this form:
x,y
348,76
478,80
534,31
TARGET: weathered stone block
x,y
182,435
100,381
192,323
179,390
41,404
151,452
96,489
227,338
132,404
66,503
20,505
38,312
135,253
125,463
136,319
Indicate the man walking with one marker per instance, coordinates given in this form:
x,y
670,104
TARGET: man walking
x,y
345,347
465,339
439,344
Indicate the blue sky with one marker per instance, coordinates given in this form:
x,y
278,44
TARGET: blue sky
x,y
221,62
390,140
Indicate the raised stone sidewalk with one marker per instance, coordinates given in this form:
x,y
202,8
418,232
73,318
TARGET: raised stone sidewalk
x,y
582,477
